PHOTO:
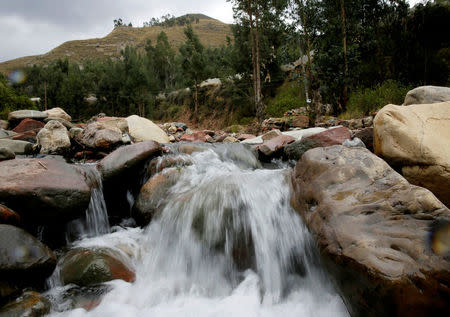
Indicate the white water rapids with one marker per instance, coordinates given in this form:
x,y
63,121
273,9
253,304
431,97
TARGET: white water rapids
x,y
226,243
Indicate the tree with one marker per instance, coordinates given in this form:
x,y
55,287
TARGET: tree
x,y
118,22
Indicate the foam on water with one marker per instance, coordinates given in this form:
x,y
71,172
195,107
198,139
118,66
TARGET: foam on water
x,y
227,243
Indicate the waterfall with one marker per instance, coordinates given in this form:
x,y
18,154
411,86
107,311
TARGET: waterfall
x,y
225,242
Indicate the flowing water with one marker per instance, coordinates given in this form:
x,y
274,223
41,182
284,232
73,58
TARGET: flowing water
x,y
225,242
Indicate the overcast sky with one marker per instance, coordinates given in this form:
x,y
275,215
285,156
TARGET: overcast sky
x,y
31,27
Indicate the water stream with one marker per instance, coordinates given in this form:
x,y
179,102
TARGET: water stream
x,y
224,243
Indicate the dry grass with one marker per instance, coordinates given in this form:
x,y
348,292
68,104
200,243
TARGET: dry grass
x,y
212,33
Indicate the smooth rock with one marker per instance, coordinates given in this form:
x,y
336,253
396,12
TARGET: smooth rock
x,y
6,154
44,189
29,304
242,137
417,139
59,113
16,146
85,267
198,136
230,139
272,146
366,136
427,95
295,150
4,124
334,136
8,216
74,132
271,135
114,122
97,136
28,125
53,138
6,134
69,125
24,114
355,142
28,136
142,129
371,227
299,134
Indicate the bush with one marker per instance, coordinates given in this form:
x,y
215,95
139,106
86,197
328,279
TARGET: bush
x,y
9,101
289,96
365,101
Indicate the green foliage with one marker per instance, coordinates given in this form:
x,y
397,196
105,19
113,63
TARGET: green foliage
x,y
289,96
367,100
10,101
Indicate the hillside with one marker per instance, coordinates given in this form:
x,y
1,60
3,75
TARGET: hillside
x,y
212,33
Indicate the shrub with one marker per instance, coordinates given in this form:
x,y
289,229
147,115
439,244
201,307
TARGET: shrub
x,y
288,96
10,101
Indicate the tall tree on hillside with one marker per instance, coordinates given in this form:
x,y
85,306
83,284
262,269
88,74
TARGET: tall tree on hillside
x,y
161,61
193,63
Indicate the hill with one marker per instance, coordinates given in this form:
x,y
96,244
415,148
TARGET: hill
x,y
212,33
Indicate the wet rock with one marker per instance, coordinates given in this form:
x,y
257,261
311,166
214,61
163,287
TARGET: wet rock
x,y
29,304
17,146
53,138
28,125
190,148
6,154
141,129
417,140
127,157
44,189
158,164
230,139
366,136
210,139
97,136
371,226
24,259
271,135
19,115
8,217
427,95
85,267
332,136
295,150
58,113
198,136
64,122
300,122
271,147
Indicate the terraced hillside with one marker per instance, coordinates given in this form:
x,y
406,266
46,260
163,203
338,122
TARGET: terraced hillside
x,y
212,33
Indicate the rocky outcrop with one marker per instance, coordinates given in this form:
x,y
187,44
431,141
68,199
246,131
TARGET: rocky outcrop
x,y
17,147
142,129
19,115
29,304
44,190
99,137
85,267
53,138
371,226
58,113
427,95
416,139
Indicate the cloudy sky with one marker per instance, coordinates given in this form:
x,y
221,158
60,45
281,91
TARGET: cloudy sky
x,y
30,27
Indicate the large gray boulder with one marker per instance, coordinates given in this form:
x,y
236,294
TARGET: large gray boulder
x,y
99,137
53,138
427,95
372,226
17,146
142,129
24,114
59,113
44,190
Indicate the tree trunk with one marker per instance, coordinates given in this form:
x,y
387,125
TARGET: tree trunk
x,y
253,45
195,101
258,93
344,42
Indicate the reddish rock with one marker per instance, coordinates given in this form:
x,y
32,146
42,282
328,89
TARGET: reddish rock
x,y
300,122
209,132
8,217
270,147
28,125
29,136
221,137
198,136
330,137
242,137
271,134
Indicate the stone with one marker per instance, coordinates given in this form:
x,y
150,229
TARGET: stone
x,y
74,132
172,129
371,227
69,125
331,136
244,136
300,122
230,139
28,125
355,142
158,164
416,139
352,124
97,136
16,146
127,157
8,216
29,304
190,148
366,136
28,136
181,125
295,150
209,132
142,129
19,115
172,139
271,134
427,95
23,257
271,147
53,138
85,267
43,190
299,134
6,134
198,136
4,124
6,154
114,122
59,113
367,122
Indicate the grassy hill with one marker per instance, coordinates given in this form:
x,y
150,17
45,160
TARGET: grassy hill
x,y
212,33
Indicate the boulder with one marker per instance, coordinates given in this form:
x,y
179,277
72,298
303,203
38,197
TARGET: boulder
x,y
6,134
114,122
417,140
53,138
74,132
230,139
58,113
300,122
44,189
8,217
371,227
158,164
295,150
299,134
69,125
355,142
85,267
4,124
6,154
127,157
23,257
28,125
271,135
366,136
29,304
19,115
427,95
97,136
28,136
271,147
142,129
198,136
17,146
333,136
